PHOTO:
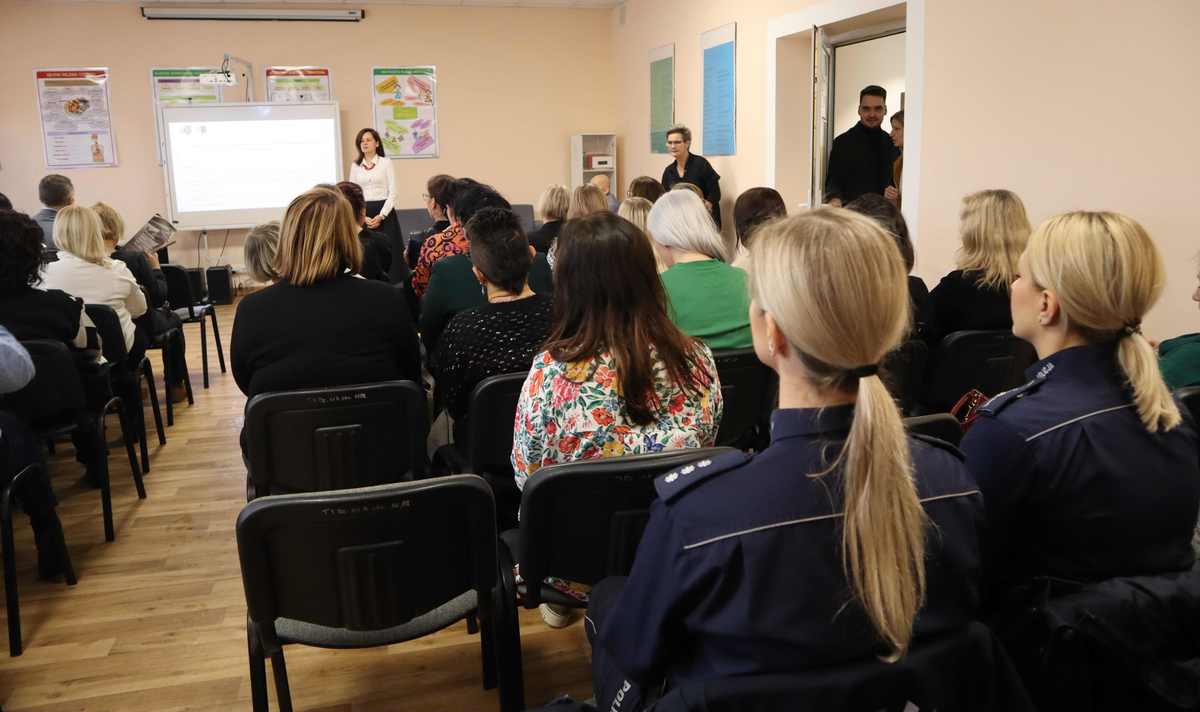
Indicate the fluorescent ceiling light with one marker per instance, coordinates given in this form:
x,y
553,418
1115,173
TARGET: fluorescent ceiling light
x,y
246,13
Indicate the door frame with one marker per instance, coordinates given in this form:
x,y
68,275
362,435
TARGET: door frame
x,y
914,55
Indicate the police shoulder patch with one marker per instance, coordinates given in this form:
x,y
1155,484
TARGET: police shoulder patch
x,y
681,479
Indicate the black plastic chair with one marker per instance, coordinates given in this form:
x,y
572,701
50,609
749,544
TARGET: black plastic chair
x,y
1190,397
12,602
374,566
942,426
321,439
126,377
160,342
192,310
487,447
966,670
54,404
989,361
524,213
904,373
749,390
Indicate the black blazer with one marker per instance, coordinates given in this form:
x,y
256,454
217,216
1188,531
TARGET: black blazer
x,y
543,237
960,303
337,332
150,279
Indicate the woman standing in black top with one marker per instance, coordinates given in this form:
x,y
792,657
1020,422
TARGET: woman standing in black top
x,y
503,335
994,230
690,168
320,325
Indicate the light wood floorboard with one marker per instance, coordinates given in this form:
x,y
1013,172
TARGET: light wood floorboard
x,y
157,621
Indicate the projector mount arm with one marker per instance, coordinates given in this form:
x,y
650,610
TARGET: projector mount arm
x,y
247,76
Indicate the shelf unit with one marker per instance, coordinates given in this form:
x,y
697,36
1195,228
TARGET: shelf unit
x,y
585,144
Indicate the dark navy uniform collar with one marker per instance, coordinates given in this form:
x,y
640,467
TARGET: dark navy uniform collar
x,y
1083,362
797,422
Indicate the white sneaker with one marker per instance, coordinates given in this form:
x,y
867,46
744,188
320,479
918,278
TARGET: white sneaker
x,y
556,616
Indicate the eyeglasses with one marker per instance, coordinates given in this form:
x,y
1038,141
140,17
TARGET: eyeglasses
x,y
426,196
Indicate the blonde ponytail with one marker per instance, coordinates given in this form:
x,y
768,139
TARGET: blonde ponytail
x,y
1107,273
842,322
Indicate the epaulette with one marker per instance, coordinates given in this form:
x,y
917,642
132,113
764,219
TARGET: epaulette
x,y
939,443
1007,398
679,480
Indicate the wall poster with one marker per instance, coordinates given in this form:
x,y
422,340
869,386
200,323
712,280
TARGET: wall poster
x,y
720,90
76,122
405,110
662,96
177,86
298,85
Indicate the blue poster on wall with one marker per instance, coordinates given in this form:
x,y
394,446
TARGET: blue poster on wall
x,y
720,91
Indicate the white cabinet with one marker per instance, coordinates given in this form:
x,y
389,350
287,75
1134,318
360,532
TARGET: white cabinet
x,y
592,154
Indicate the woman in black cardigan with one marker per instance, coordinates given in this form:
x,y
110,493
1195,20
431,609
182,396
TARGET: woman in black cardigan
x,y
320,325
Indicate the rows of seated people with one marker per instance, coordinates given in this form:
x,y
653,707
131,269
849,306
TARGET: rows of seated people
x,y
843,538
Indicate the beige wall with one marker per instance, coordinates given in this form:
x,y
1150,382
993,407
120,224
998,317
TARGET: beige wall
x,y
509,81
879,61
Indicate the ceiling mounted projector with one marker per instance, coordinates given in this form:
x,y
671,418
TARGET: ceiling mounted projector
x,y
251,14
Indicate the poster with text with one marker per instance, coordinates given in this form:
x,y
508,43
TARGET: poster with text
x,y
76,122
405,110
298,85
179,86
662,96
720,90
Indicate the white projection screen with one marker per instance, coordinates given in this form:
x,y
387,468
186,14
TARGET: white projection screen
x,y
238,165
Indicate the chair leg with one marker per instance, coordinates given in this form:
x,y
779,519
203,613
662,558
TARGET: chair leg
x,y
187,376
204,349
12,603
258,674
167,388
283,692
212,312
148,373
100,466
487,646
127,436
140,415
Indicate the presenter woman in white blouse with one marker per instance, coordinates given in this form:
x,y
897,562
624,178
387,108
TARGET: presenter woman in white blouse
x,y
373,173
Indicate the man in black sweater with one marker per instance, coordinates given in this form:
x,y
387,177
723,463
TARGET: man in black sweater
x,y
861,159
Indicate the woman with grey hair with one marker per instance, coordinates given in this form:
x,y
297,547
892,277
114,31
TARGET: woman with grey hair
x,y
708,298
261,245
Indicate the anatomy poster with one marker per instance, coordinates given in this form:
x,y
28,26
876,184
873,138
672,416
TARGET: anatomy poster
x,y
76,123
405,110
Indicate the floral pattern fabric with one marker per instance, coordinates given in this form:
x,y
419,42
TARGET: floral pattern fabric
x,y
575,411
444,244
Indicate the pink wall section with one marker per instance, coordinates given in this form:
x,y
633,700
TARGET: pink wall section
x,y
514,84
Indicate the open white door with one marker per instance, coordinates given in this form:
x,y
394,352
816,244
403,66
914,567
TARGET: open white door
x,y
822,74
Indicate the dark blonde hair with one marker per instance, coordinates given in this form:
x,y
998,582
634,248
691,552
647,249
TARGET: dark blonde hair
x,y
318,239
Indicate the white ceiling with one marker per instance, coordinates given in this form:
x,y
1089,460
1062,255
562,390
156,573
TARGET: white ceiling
x,y
363,3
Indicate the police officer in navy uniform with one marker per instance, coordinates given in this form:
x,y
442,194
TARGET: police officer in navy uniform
x,y
1090,470
740,570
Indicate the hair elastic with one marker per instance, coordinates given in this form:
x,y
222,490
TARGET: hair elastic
x,y
1131,328
864,371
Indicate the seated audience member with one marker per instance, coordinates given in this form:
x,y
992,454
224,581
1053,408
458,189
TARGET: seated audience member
x,y
892,192
319,325
636,210
19,448
453,287
753,208
889,217
993,230
604,183
1179,358
502,335
646,187
85,270
616,376
1089,471
55,192
552,206
158,318
879,529
260,250
436,197
377,253
708,298
585,200
451,241
690,187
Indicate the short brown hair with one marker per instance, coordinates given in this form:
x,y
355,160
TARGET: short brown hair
x,y
440,188
646,187
354,194
755,207
55,190
682,130
889,217
318,239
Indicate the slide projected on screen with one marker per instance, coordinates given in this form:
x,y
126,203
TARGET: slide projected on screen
x,y
236,165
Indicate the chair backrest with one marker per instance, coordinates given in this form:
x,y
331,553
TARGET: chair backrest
x,y
904,373
412,220
370,558
56,388
942,426
112,336
749,390
179,288
582,521
524,212
492,409
960,670
321,439
990,361
1190,396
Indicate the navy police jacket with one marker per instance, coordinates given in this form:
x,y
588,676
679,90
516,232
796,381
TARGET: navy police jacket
x,y
1076,486
740,570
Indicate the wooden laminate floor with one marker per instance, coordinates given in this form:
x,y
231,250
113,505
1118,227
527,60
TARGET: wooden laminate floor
x,y
157,620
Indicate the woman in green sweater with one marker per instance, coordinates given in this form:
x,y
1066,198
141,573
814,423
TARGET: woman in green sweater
x,y
708,298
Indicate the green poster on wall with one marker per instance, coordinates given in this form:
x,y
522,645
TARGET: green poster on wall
x,y
662,96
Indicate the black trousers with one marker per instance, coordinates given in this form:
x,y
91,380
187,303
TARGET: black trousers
x,y
613,690
153,324
20,448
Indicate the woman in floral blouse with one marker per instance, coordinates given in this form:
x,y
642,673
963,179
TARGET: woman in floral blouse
x,y
616,376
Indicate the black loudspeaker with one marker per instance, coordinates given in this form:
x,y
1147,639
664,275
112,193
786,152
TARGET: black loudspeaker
x,y
196,282
220,284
